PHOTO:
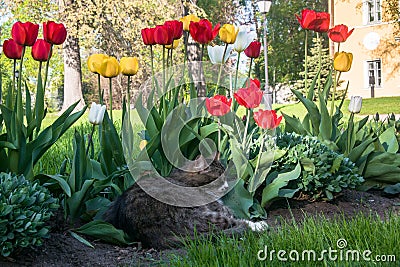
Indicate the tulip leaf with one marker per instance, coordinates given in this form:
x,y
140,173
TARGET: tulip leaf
x,y
293,124
389,141
239,200
312,109
325,127
271,191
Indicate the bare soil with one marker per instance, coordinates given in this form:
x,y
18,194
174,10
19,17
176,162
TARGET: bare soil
x,y
61,249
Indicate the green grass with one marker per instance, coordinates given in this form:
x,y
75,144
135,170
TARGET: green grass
x,y
370,106
361,233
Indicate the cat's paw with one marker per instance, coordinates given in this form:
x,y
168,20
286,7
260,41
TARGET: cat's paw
x,y
257,226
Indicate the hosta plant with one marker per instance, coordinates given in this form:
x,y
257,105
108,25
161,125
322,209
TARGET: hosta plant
x,y
24,209
324,171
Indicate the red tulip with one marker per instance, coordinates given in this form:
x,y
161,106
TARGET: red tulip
x,y
163,35
12,50
267,119
177,28
202,31
25,33
54,33
253,50
41,50
218,105
339,33
249,97
148,36
256,82
315,21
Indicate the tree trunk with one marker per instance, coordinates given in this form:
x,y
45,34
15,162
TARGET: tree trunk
x,y
72,74
196,67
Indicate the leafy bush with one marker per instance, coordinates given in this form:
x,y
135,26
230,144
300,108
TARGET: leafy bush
x,y
324,171
24,208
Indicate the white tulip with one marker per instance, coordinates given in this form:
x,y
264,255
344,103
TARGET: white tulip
x,y
216,53
243,40
355,104
96,113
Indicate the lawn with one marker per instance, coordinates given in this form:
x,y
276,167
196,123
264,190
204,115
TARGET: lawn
x,y
370,106
345,238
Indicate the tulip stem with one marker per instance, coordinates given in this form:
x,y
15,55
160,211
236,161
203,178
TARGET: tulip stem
x,y
47,67
219,135
259,157
19,91
237,71
13,88
164,93
152,67
90,139
251,63
220,70
334,92
319,61
245,128
100,93
111,100
128,94
305,63
350,129
200,93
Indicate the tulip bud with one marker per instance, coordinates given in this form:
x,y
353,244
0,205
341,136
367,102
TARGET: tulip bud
x,y
187,19
109,67
355,104
376,117
96,113
215,53
54,33
243,40
228,33
94,62
129,65
12,50
25,33
342,61
41,50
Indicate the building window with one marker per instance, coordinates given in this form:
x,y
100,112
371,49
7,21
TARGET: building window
x,y
373,11
374,73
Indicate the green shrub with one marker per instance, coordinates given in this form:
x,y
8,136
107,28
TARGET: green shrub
x,y
24,209
324,171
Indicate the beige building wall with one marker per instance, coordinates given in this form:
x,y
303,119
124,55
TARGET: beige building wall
x,y
369,42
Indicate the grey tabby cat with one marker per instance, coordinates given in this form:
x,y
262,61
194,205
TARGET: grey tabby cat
x,y
159,225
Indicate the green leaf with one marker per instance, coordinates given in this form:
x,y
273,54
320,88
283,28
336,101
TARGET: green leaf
x,y
61,180
325,127
312,109
389,141
271,191
293,124
239,200
81,239
104,231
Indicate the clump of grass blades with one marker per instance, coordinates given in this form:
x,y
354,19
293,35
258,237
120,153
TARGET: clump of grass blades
x,y
361,233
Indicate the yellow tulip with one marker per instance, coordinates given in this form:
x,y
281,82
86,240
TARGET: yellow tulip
x,y
94,62
129,65
228,33
187,19
174,45
109,67
342,61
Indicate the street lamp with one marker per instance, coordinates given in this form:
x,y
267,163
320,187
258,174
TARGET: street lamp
x,y
264,7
